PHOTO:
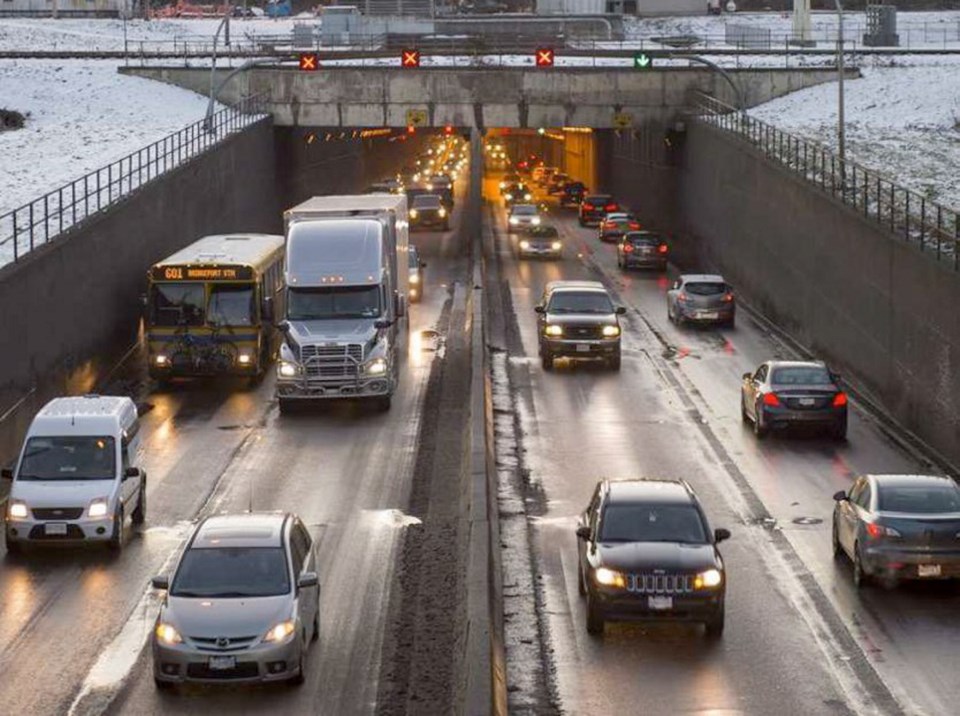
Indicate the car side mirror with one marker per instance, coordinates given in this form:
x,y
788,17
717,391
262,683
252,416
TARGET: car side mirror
x,y
308,579
748,376
267,309
382,323
620,310
6,473
160,582
583,532
131,472
539,309
720,534
423,264
835,377
840,496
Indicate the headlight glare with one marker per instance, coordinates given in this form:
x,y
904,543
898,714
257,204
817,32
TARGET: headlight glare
x,y
413,213
524,244
281,631
167,634
287,369
414,278
609,578
556,246
18,510
553,330
707,580
160,359
378,366
611,331
98,508
514,221
535,221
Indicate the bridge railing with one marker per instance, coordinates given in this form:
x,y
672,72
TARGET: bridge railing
x,y
57,212
910,215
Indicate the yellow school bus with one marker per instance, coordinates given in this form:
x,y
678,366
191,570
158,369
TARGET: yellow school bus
x,y
209,308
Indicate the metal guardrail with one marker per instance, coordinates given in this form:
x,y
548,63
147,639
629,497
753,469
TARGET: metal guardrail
x,y
912,217
44,219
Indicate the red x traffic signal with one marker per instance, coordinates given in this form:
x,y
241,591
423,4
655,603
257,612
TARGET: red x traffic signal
x,y
410,58
309,61
544,57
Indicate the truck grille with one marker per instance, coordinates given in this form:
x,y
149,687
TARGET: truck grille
x,y
659,583
333,362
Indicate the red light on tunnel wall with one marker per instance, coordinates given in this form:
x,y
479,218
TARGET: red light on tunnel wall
x,y
410,58
544,57
309,61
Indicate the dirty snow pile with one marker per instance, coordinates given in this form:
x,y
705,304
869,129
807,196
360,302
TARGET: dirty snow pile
x,y
903,122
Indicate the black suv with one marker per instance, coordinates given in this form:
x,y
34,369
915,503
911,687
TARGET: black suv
x,y
572,193
577,320
646,553
595,207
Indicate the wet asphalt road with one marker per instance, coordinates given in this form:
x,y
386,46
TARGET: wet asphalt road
x,y
344,468
673,410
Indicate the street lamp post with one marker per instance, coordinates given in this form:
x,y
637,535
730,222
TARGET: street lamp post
x,y
841,133
208,119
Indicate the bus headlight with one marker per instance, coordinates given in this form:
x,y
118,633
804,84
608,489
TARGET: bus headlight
x,y
288,369
527,197
414,278
514,221
378,366
442,212
508,197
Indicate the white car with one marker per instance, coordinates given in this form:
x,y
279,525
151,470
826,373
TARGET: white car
x,y
77,478
522,217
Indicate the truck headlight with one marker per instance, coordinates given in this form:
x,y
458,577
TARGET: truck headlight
x,y
611,331
442,212
288,369
707,580
98,508
378,366
244,359
508,197
17,510
553,330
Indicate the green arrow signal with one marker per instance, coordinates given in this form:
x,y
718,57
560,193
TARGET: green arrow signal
x,y
642,61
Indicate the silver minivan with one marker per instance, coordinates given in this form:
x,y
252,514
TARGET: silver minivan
x,y
77,478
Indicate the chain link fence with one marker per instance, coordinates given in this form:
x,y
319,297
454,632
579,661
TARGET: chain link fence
x,y
931,227
44,219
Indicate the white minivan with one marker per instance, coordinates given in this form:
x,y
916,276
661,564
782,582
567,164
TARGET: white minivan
x,y
78,477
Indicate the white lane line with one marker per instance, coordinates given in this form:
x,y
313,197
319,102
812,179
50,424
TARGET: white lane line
x,y
116,661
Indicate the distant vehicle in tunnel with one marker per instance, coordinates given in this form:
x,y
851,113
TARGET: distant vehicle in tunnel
x,y
509,179
543,174
573,193
416,275
518,193
577,320
557,183
347,288
243,604
700,298
428,211
541,240
594,207
442,185
615,224
521,217
646,553
899,527
210,308
78,476
642,249
781,394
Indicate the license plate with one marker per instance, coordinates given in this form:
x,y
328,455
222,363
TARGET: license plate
x,y
55,528
646,252
806,401
583,348
712,315
928,570
660,603
222,663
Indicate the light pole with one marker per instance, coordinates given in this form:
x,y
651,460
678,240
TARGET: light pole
x,y
208,120
841,134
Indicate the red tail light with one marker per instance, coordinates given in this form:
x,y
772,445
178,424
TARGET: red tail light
x,y
839,400
771,399
662,248
634,225
588,206
611,224
610,207
728,298
628,248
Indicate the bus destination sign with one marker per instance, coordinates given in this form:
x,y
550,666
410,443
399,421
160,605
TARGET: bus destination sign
x,y
198,272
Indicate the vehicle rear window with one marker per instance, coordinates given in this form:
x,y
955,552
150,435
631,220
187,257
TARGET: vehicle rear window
x,y
703,288
925,499
599,199
227,572
652,523
801,375
580,302
426,201
645,239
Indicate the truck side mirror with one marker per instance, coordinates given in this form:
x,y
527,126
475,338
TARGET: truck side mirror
x,y
6,473
400,305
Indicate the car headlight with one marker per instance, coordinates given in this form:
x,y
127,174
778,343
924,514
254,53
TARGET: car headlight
x,y
503,185
414,278
514,221
527,197
610,578
378,366
244,359
281,631
288,370
442,212
524,244
508,197
707,580
553,330
413,213
17,510
556,246
167,634
98,508
161,359
429,187
535,221
611,331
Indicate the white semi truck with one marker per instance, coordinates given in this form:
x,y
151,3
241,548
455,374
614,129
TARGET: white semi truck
x,y
345,322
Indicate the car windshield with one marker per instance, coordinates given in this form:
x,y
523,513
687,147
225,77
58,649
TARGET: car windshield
x,y
69,458
920,499
543,232
580,302
177,304
307,304
231,304
232,572
801,375
652,523
426,201
524,210
705,288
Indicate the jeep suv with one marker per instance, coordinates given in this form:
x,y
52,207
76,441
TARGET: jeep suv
x,y
646,553
577,319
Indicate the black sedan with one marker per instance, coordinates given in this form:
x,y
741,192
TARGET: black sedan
x,y
518,193
427,210
572,193
642,249
898,527
781,394
646,553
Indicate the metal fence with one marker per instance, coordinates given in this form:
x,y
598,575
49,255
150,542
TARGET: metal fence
x,y
46,218
933,228
750,36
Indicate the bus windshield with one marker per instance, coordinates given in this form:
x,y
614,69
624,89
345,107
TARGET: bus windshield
x,y
231,304
177,304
